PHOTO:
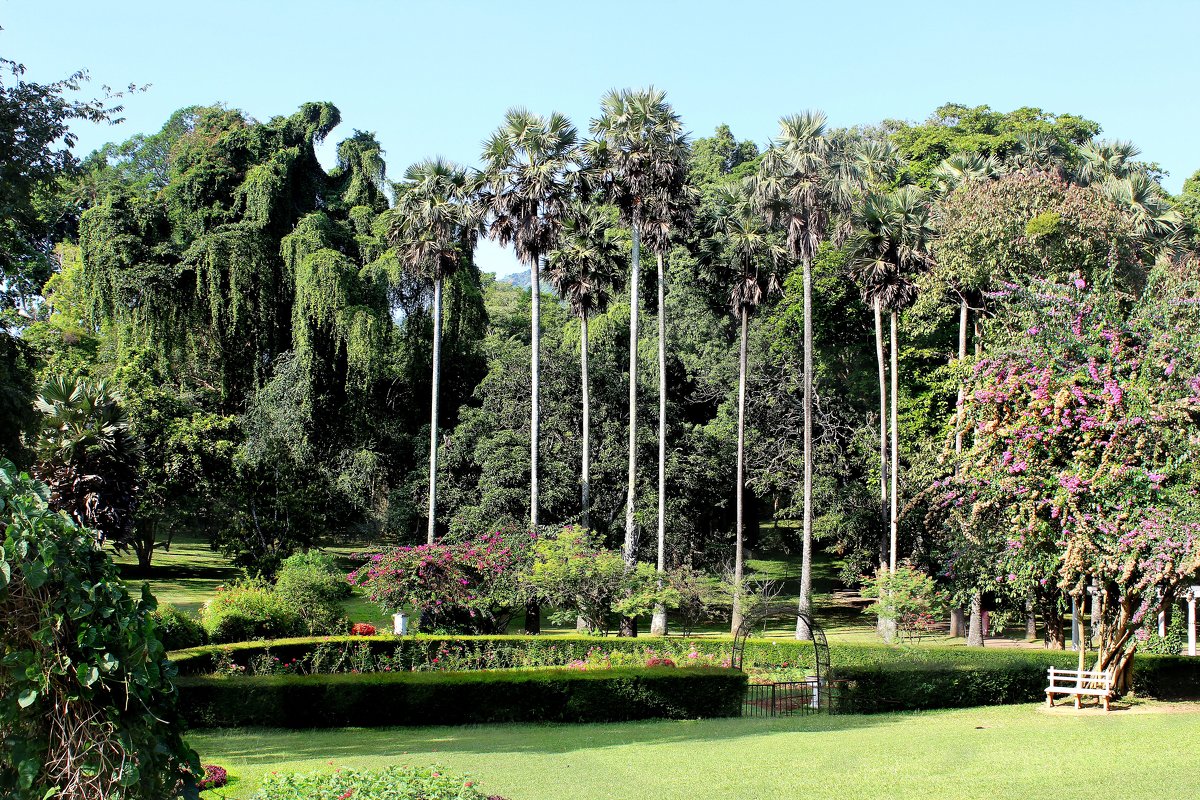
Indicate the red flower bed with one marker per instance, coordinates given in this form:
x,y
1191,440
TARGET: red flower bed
x,y
214,777
362,629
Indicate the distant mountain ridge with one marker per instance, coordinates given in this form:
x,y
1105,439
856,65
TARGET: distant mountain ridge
x,y
518,279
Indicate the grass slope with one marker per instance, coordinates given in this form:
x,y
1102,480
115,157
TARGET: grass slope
x,y
998,753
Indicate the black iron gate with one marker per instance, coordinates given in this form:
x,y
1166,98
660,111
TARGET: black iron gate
x,y
815,693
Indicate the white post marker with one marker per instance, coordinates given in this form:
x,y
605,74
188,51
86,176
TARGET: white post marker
x,y
1192,596
400,624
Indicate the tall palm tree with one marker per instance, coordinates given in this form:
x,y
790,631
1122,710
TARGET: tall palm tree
x,y
890,244
584,268
1099,160
530,169
804,180
640,150
746,243
434,227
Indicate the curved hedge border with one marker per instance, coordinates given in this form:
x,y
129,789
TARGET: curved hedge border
x,y
455,698
881,678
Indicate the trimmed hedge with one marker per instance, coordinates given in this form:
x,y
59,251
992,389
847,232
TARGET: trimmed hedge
x,y
455,698
880,678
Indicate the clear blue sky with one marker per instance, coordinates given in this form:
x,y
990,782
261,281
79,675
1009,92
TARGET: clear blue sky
x,y
436,77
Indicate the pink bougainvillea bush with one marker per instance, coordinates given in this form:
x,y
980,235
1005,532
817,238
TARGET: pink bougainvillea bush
x,y
472,586
1083,464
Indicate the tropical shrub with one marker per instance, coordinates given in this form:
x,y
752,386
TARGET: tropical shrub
x,y
250,610
907,596
177,630
214,777
393,783
87,706
581,579
315,588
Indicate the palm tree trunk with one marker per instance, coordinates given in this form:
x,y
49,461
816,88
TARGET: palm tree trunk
x,y
738,559
895,446
805,602
433,407
658,624
629,624
533,620
585,480
883,449
535,285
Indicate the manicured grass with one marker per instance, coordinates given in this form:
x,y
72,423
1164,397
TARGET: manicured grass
x,y
995,753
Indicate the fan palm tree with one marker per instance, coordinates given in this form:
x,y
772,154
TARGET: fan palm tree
x,y
890,244
804,180
640,151
434,227
530,172
1099,160
583,269
745,240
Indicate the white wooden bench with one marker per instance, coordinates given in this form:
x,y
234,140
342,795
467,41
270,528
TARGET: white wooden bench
x,y
1076,682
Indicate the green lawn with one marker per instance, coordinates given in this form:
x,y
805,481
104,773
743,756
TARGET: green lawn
x,y
993,753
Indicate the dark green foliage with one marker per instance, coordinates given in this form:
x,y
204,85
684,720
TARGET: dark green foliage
x,y
87,703
250,610
956,128
313,585
392,783
177,630
458,698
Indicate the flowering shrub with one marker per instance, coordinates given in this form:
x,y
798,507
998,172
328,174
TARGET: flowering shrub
x,y
909,597
393,783
1084,455
470,585
660,662
214,777
362,629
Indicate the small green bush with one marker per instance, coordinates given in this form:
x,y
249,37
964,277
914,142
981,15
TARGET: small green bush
x,y
249,610
311,583
393,783
458,698
176,629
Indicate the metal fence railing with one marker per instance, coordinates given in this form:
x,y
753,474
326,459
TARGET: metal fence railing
x,y
790,698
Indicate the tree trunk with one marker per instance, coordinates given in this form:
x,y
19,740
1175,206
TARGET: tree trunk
x,y
585,474
956,622
1030,621
884,557
738,558
629,624
892,542
533,621
433,408
535,285
658,624
963,314
975,632
805,602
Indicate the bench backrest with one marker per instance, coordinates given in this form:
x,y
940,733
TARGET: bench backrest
x,y
1076,677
